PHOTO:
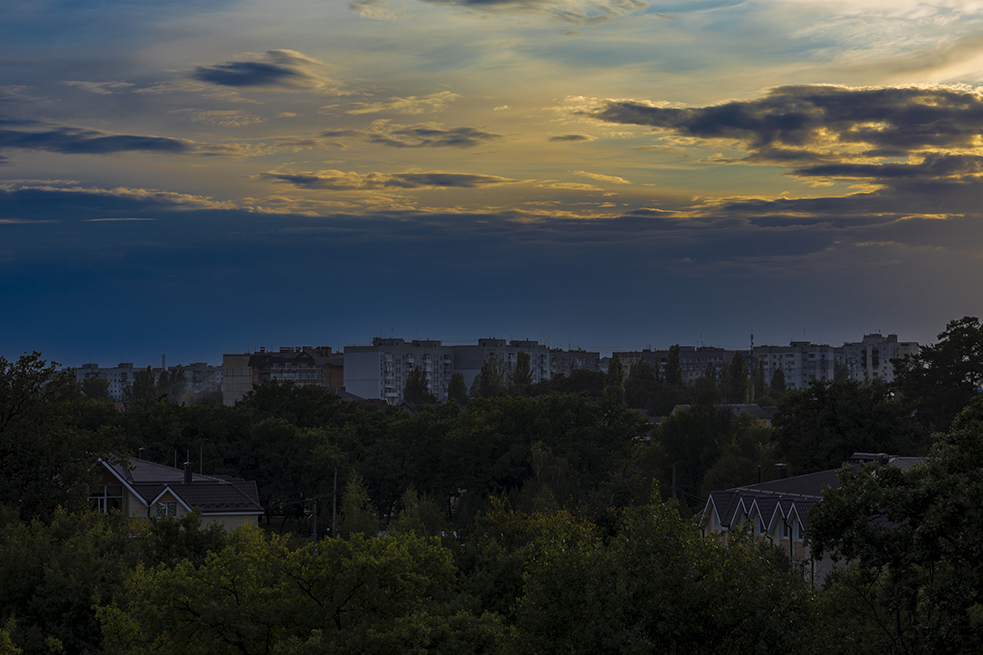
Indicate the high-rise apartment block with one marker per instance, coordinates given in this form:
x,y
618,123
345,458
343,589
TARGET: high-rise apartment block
x,y
380,370
298,364
199,377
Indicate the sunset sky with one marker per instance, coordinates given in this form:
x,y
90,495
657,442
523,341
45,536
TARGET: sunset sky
x,y
614,174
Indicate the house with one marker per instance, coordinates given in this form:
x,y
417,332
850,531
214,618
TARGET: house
x,y
778,511
143,489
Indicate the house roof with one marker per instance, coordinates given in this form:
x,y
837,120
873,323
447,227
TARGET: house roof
x,y
213,494
779,499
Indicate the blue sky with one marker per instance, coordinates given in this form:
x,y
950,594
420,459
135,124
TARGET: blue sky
x,y
612,174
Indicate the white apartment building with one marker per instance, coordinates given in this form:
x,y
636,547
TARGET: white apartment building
x,y
199,376
800,361
870,360
380,370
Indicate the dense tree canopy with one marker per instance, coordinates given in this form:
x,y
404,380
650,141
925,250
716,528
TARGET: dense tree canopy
x,y
943,377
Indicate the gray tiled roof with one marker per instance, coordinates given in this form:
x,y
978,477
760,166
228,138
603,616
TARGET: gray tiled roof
x,y
213,494
798,493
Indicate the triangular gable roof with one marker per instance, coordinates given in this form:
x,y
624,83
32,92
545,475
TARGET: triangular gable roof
x,y
148,481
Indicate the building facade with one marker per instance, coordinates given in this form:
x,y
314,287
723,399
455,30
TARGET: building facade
x,y
380,370
318,365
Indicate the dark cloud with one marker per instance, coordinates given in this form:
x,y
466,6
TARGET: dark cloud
x,y
72,141
283,69
824,122
572,137
432,137
338,181
931,166
244,73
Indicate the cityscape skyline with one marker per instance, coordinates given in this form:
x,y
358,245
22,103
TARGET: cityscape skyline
x,y
190,180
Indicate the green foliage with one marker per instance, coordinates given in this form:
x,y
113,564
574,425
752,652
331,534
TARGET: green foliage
x,y
457,390
736,383
758,379
614,383
96,389
913,539
942,378
143,387
256,596
490,381
47,458
641,384
820,427
170,541
417,389
658,586
777,385
520,379
52,574
580,381
674,367
358,516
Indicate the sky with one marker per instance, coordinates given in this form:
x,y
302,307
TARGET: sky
x,y
188,179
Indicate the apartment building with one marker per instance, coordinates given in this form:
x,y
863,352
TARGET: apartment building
x,y
869,360
379,370
200,377
301,365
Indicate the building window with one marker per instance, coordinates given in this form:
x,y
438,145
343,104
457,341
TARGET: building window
x,y
797,530
107,497
784,528
167,509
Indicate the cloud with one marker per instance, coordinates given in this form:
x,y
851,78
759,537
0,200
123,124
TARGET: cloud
x,y
832,131
572,137
411,105
421,135
99,88
375,9
340,181
576,12
275,69
222,117
602,178
74,141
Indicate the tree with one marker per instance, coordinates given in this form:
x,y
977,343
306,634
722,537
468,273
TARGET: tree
x,y
674,368
521,377
736,381
258,597
778,383
490,381
417,388
641,385
457,390
357,514
942,378
53,573
614,382
658,586
913,539
96,389
46,458
759,379
818,428
172,384
144,386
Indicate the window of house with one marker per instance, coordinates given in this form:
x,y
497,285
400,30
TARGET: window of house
x,y
784,528
759,525
167,509
797,530
106,497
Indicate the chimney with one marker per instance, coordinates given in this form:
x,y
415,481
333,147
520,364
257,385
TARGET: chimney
x,y
781,471
142,453
187,473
